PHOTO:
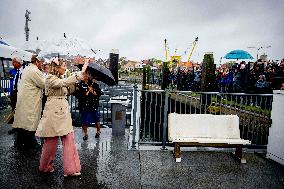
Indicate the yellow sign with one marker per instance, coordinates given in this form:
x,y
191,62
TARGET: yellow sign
x,y
175,59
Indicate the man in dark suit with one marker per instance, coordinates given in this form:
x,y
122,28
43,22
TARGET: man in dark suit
x,y
17,63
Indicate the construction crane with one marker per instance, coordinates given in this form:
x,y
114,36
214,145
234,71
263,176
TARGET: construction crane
x,y
193,47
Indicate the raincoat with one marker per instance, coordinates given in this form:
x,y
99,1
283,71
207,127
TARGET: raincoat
x,y
29,99
56,119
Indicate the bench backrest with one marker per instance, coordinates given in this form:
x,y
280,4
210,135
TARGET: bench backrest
x,y
203,126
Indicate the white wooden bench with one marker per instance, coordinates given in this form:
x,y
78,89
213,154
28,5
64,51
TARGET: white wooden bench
x,y
205,130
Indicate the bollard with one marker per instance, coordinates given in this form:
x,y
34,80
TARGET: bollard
x,y
118,118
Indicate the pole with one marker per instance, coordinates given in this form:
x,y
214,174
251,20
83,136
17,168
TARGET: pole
x,y
4,71
165,124
133,146
257,53
166,49
27,29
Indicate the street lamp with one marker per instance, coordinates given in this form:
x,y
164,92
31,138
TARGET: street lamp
x,y
257,53
258,48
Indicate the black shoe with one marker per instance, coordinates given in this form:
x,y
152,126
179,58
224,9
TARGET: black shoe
x,y
19,146
85,137
12,131
32,145
37,146
97,135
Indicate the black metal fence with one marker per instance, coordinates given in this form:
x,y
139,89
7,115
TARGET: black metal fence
x,y
123,89
254,111
4,92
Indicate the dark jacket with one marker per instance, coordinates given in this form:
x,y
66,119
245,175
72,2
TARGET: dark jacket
x,y
88,102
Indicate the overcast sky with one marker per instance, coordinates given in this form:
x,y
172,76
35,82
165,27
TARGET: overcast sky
x,y
138,27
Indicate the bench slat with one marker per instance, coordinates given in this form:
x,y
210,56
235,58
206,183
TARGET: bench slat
x,y
212,140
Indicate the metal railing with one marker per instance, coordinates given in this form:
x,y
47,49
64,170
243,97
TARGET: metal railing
x,y
4,92
254,112
104,103
150,110
122,89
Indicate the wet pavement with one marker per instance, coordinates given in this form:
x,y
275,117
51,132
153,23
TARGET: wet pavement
x,y
107,163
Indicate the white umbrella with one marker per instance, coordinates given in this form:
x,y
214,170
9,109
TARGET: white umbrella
x,y
65,46
7,51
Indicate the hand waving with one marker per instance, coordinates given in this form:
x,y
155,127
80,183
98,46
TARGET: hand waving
x,y
85,66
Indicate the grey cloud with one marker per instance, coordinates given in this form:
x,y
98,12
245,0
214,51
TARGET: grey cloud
x,y
222,25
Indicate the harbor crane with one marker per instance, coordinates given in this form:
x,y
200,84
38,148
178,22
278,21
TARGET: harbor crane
x,y
193,47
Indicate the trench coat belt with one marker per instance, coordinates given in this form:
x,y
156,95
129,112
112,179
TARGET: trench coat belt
x,y
56,97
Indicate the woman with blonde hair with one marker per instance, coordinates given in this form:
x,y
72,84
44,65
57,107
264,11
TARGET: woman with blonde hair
x,y
56,120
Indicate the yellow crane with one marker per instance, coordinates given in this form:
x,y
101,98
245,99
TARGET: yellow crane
x,y
193,47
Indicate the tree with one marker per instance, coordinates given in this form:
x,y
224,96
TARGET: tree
x,y
146,76
122,62
208,83
155,62
165,77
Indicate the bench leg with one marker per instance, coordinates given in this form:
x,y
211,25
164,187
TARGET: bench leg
x,y
177,152
239,154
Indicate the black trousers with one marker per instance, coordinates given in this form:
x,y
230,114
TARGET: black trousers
x,y
13,98
25,139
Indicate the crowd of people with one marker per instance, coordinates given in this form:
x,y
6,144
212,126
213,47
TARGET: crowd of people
x,y
38,99
253,77
259,77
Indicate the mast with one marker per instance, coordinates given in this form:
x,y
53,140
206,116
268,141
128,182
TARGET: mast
x,y
27,29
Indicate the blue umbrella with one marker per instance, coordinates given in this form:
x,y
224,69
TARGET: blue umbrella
x,y
238,54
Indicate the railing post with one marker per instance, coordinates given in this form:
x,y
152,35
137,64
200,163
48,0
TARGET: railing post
x,y
165,124
1,104
133,147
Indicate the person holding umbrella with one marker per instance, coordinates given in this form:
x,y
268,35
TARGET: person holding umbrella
x,y
88,93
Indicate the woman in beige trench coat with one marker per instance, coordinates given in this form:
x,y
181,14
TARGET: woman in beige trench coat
x,y
56,120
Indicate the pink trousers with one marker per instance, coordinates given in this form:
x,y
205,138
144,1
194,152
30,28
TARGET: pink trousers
x,y
71,162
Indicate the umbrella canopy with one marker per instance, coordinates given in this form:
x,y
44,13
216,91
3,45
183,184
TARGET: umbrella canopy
x,y
10,52
63,46
102,74
3,42
238,54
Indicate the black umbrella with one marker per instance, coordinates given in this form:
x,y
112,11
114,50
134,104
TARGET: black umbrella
x,y
101,73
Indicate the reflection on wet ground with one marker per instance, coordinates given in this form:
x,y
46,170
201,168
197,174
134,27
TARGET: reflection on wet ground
x,y
107,163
